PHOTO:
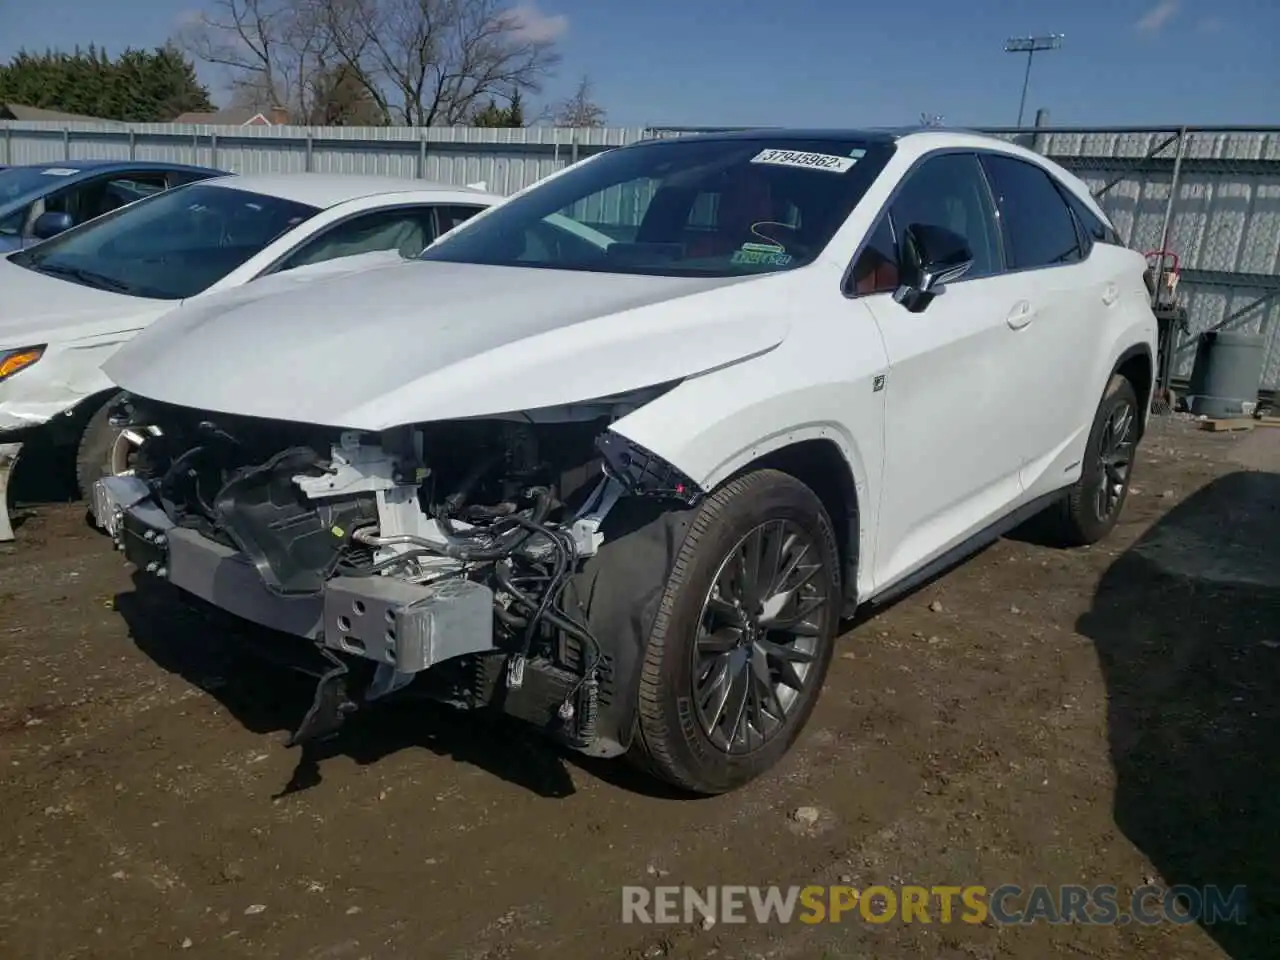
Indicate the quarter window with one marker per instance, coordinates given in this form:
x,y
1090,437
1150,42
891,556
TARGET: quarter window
x,y
876,270
1094,228
1039,228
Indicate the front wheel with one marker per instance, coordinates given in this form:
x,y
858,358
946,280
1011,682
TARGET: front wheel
x,y
96,450
743,636
1093,504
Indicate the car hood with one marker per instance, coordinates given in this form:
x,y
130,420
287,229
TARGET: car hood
x,y
37,308
428,340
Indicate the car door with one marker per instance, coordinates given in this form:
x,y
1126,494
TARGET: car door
x,y
950,469
1057,336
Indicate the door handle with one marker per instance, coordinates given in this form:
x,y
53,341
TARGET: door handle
x,y
1110,294
1020,315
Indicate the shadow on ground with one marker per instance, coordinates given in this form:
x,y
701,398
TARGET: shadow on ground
x,y
44,474
268,698
1187,628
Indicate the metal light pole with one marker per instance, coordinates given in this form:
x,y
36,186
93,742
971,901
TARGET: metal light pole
x,y
1031,46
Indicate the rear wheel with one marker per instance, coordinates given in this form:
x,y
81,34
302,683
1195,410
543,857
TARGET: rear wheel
x,y
742,640
1094,503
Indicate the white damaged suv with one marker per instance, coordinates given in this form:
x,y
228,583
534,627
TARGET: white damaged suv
x,y
618,455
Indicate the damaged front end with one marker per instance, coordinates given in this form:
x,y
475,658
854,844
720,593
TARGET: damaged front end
x,y
458,553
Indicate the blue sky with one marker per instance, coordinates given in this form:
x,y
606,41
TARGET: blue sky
x,y
833,63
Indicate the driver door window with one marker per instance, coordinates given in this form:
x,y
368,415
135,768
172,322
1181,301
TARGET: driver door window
x,y
85,201
949,191
407,230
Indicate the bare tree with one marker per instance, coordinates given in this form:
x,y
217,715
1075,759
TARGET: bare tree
x,y
340,98
436,62
274,51
581,110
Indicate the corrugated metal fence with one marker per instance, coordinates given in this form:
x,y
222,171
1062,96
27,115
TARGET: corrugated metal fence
x,y
1211,195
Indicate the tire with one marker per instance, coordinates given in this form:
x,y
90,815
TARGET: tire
x,y
677,739
93,454
1080,520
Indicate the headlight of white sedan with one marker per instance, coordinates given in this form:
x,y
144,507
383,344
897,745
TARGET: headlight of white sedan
x,y
13,361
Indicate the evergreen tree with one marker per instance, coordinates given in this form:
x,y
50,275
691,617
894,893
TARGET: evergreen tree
x,y
492,115
150,86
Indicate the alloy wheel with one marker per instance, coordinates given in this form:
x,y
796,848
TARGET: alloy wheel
x,y
1115,459
758,636
125,449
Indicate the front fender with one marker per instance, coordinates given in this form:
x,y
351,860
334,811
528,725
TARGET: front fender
x,y
64,377
711,427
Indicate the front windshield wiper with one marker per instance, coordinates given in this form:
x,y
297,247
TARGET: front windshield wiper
x,y
81,275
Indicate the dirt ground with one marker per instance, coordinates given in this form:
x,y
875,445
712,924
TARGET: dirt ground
x,y
1099,716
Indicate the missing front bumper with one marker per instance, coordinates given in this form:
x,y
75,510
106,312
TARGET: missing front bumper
x,y
408,627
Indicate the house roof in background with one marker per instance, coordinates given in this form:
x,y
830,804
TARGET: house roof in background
x,y
18,111
231,117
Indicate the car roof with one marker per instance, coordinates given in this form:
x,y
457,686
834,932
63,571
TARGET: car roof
x,y
835,135
106,166
329,189
917,140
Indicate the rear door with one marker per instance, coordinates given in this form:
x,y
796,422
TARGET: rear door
x,y
1056,339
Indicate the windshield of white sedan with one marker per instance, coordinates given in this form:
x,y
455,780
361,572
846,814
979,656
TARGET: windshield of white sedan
x,y
699,208
169,246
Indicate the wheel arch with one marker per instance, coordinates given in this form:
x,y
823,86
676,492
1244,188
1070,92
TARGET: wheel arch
x,y
67,427
820,464
621,587
821,453
1137,366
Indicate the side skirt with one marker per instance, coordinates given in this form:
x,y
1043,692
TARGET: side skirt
x,y
964,549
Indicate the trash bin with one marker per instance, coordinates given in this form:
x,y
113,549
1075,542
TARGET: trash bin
x,y
1226,373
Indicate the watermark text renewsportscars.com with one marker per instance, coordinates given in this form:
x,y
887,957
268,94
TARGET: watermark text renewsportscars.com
x,y
1004,905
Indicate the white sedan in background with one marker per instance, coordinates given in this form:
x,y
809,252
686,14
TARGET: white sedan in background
x,y
67,304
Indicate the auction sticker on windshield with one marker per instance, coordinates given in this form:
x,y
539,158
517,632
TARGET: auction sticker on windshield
x,y
808,161
59,172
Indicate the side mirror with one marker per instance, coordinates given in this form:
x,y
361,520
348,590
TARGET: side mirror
x,y
50,224
933,257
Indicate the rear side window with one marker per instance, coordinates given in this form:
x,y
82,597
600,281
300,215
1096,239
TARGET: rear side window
x,y
1039,228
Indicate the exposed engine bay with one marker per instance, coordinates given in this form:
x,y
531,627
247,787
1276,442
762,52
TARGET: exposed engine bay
x,y
449,548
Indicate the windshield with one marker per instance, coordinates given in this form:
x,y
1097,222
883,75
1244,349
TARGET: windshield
x,y
169,246
19,182
697,208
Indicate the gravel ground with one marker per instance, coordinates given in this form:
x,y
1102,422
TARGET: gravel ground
x,y
1098,716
